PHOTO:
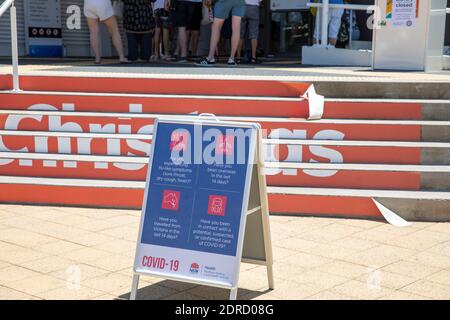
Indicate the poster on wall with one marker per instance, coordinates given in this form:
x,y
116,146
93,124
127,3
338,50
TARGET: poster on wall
x,y
402,13
276,5
43,22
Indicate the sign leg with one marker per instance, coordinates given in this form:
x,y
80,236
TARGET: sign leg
x,y
134,287
233,294
270,276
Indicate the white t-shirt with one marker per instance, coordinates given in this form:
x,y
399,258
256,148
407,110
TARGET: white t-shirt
x,y
253,2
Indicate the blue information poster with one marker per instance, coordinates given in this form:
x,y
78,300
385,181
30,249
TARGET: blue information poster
x,y
196,200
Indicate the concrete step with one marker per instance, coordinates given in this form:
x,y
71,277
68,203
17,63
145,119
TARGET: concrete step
x,y
385,109
411,205
358,176
282,127
176,84
285,150
168,85
227,105
383,89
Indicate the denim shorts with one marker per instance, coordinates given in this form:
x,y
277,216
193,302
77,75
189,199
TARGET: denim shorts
x,y
223,8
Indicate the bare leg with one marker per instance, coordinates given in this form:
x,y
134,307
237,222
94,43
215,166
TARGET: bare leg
x,y
194,42
94,31
157,41
166,40
239,50
215,36
236,36
113,29
182,39
254,47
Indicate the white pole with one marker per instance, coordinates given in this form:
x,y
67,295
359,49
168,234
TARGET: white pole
x,y
350,31
14,48
325,13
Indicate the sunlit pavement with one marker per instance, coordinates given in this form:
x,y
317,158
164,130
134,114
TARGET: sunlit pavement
x,y
78,253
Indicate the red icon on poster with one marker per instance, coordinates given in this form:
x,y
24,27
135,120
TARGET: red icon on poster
x,y
178,140
225,145
217,205
171,200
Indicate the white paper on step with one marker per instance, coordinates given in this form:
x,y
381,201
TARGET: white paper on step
x,y
390,216
316,103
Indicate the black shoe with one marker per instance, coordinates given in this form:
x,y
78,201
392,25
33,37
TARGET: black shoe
x,y
254,61
205,62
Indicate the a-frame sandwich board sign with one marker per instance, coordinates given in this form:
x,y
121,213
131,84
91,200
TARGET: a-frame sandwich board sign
x,y
205,205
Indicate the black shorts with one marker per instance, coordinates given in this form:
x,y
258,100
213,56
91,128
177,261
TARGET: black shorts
x,y
188,14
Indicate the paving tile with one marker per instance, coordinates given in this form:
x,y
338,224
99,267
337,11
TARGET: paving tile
x,y
4,264
305,260
24,238
48,264
58,247
388,279
344,269
125,219
402,295
361,223
117,246
113,262
85,254
319,279
290,290
97,225
15,273
441,277
439,227
22,255
65,293
295,243
431,259
11,294
330,233
380,256
331,251
429,289
78,272
330,295
109,283
361,290
37,284
355,243
124,233
411,269
441,249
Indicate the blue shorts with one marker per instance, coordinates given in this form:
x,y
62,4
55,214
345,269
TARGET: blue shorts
x,y
223,8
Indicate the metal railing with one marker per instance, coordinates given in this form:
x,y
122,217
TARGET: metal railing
x,y
9,4
323,13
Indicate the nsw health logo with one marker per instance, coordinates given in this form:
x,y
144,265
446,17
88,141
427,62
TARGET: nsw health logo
x,y
195,268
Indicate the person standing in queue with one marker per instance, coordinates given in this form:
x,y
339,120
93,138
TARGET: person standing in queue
x,y
139,24
97,11
250,23
222,10
163,21
188,17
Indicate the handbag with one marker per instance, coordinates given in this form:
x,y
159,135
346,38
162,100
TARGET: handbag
x,y
118,8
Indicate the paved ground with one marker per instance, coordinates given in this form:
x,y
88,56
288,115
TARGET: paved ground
x,y
75,253
272,70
